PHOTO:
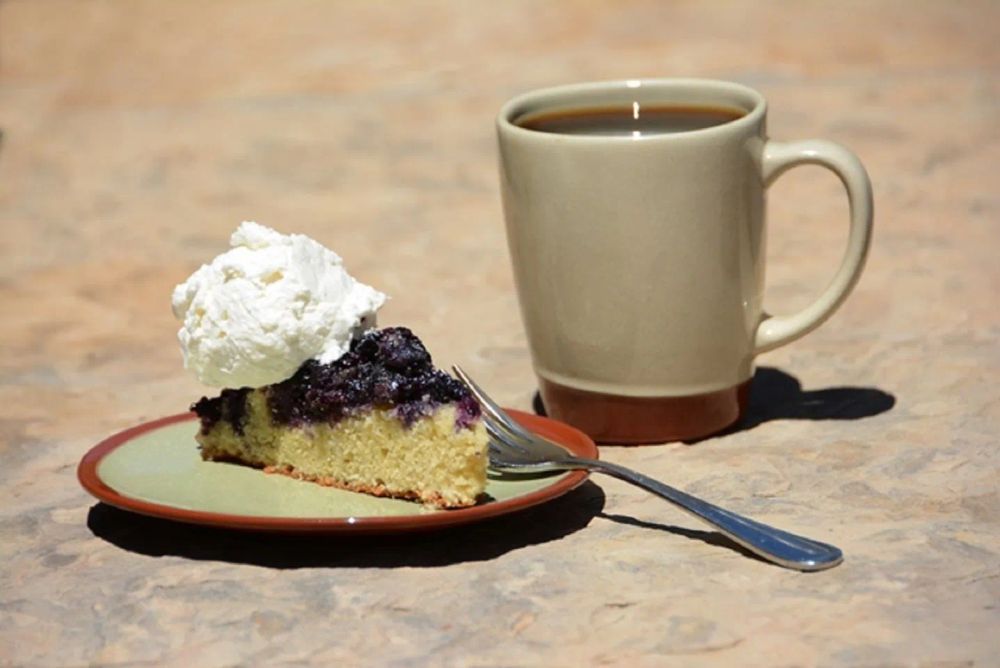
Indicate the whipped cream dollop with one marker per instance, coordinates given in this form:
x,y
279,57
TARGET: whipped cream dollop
x,y
254,314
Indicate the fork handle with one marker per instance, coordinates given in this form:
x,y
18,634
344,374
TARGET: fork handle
x,y
780,547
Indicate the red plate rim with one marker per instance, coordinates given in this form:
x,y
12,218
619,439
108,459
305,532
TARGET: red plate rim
x,y
573,439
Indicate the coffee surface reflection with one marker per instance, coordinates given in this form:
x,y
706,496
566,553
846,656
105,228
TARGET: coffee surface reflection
x,y
623,121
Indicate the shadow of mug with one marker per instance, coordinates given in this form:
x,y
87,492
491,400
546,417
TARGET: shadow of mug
x,y
778,395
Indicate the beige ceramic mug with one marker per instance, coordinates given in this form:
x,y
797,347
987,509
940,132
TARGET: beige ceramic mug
x,y
639,260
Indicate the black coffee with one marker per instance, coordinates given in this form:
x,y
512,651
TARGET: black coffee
x,y
636,120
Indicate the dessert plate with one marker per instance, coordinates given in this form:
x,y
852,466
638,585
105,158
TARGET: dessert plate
x,y
155,469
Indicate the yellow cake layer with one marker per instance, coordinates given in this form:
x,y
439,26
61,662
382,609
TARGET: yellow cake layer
x,y
375,453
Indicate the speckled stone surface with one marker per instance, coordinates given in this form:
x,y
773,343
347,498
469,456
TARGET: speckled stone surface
x,y
136,135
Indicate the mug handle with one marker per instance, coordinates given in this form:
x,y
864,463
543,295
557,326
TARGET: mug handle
x,y
779,157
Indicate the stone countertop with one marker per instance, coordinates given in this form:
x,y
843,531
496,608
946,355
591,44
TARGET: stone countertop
x,y
137,135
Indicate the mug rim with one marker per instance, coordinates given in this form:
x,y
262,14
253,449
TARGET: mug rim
x,y
515,108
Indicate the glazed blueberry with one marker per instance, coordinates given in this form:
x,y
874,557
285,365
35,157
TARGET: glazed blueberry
x,y
403,352
468,412
230,406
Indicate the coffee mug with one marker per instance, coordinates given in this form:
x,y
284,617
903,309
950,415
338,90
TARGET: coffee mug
x,y
635,223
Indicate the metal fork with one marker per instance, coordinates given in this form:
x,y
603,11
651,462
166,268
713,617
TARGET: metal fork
x,y
514,449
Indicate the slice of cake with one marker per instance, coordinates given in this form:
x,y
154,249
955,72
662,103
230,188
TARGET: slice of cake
x,y
324,396
380,419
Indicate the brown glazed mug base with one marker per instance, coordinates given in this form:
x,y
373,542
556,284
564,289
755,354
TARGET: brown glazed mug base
x,y
621,420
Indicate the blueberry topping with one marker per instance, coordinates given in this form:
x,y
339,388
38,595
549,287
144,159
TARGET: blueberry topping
x,y
230,406
388,368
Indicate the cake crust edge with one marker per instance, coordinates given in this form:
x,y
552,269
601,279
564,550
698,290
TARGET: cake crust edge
x,y
431,499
